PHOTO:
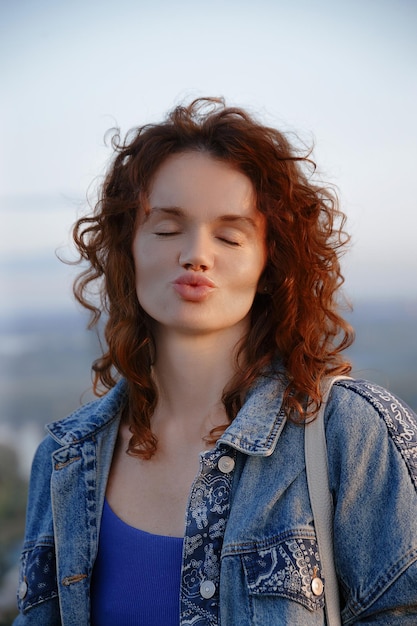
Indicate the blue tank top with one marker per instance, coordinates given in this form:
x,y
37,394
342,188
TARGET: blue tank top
x,y
137,576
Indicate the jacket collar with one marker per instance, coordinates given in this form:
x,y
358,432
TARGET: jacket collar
x,y
255,430
90,418
258,425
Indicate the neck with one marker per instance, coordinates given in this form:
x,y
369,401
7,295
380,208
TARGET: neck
x,y
191,374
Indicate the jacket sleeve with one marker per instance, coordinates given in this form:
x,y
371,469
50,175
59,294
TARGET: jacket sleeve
x,y
372,450
37,593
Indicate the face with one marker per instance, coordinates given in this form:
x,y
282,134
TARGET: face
x,y
200,251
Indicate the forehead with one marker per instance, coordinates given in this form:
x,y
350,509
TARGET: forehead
x,y
197,180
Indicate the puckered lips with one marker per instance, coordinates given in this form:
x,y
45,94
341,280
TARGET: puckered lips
x,y
193,287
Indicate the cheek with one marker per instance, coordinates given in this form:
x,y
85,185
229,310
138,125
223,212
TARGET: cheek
x,y
145,272
245,281
255,267
143,257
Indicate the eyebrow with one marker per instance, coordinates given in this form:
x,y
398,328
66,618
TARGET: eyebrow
x,y
227,218
172,210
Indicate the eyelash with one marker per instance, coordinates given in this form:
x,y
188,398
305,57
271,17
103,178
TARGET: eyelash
x,y
229,241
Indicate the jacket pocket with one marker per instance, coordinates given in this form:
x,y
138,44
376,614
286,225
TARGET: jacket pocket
x,y
288,567
37,578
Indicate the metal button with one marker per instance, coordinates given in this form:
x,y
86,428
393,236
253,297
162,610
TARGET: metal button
x,y
23,589
317,586
207,589
226,464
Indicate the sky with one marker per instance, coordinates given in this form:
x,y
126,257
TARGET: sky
x,y
341,74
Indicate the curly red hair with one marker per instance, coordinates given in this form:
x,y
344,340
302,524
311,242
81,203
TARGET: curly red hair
x,y
296,319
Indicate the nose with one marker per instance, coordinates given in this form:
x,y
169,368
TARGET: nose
x,y
196,253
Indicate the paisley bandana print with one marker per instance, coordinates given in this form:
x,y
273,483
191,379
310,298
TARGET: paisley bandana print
x,y
207,515
398,419
286,569
40,582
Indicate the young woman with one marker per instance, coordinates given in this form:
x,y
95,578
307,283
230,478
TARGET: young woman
x,y
180,496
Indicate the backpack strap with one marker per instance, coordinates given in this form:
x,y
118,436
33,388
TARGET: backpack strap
x,y
321,502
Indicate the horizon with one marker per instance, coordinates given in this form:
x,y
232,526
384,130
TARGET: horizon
x,y
33,276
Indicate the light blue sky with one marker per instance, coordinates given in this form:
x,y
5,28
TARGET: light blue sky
x,y
340,73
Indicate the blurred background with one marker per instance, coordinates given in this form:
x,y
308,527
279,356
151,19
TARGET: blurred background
x,y
340,74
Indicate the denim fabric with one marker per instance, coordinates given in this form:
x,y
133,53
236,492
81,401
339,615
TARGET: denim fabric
x,y
250,551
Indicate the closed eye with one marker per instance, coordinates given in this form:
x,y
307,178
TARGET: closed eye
x,y
231,242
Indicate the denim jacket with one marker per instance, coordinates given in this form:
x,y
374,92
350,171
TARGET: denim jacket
x,y
250,554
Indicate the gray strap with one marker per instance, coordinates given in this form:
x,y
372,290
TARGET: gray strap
x,y
321,503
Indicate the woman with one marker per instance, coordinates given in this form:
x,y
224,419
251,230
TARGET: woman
x,y
180,496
